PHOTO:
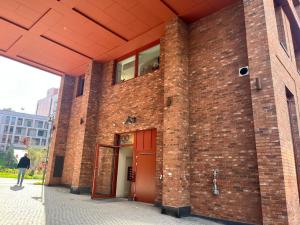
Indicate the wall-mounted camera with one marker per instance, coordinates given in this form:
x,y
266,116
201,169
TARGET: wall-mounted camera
x,y
244,71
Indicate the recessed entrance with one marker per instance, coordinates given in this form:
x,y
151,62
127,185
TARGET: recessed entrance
x,y
128,169
124,172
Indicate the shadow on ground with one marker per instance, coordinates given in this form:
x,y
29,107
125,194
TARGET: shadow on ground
x,y
16,188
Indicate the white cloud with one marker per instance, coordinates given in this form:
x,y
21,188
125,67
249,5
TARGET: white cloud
x,y
21,86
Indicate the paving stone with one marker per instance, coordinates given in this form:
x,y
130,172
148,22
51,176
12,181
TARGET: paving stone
x,y
35,205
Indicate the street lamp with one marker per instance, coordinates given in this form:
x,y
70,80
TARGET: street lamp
x,y
50,120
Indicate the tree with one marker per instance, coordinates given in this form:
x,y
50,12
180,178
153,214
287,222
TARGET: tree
x,y
10,159
37,156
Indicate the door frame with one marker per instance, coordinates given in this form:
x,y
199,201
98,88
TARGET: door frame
x,y
96,166
116,148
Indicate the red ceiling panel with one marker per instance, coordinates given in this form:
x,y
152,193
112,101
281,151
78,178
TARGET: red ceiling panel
x,y
9,34
64,36
21,12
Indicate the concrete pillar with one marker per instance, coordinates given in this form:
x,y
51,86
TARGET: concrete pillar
x,y
60,127
83,164
176,155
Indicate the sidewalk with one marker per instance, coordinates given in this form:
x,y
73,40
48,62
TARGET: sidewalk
x,y
34,205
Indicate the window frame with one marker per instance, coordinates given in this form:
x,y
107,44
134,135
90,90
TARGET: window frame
x,y
134,53
80,86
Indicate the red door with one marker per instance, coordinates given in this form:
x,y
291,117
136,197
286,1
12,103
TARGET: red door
x,y
144,160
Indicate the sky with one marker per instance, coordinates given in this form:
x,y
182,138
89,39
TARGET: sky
x,y
21,86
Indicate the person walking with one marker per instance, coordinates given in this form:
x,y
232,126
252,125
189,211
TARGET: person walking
x,y
23,164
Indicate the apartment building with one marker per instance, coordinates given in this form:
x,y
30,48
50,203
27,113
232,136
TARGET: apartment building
x,y
20,130
47,106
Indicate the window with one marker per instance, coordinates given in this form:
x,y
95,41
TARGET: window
x,y
20,130
5,129
20,122
42,133
7,118
38,124
28,123
80,86
13,121
139,63
43,142
11,130
125,69
149,60
31,132
16,140
282,26
3,139
46,125
35,141
9,137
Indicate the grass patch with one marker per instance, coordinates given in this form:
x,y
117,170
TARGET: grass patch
x,y
13,173
40,182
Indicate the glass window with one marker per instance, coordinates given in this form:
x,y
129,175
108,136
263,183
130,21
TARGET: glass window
x,y
31,132
3,139
125,69
20,130
35,141
149,60
38,124
28,123
80,87
20,122
16,139
7,118
11,130
13,121
43,142
42,133
5,129
46,125
9,137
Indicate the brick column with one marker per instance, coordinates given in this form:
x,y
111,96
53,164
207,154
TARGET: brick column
x,y
60,127
83,165
176,155
268,147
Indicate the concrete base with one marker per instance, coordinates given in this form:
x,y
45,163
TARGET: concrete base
x,y
80,190
176,212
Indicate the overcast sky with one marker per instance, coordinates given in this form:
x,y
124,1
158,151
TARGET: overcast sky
x,y
21,86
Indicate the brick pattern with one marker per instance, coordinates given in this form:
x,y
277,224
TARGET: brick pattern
x,y
176,155
82,175
216,119
221,120
141,97
61,124
272,131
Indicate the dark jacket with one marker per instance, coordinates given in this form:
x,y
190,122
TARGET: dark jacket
x,y
24,163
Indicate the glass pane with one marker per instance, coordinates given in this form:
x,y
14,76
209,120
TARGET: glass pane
x,y
125,69
105,171
149,60
126,139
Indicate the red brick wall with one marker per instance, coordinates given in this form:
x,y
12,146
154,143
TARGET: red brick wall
x,y
141,97
58,144
221,121
276,166
176,151
74,132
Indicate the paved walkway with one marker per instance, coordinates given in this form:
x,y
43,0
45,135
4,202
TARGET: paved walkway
x,y
34,205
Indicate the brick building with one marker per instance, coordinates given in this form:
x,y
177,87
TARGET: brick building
x,y
190,106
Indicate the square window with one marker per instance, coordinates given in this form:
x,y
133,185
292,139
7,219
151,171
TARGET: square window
x,y
149,60
20,122
125,69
